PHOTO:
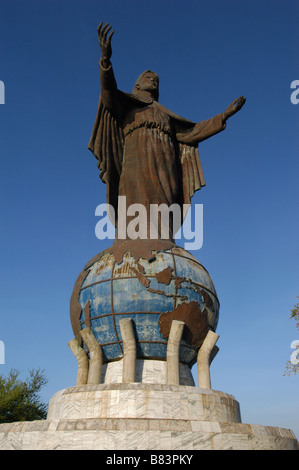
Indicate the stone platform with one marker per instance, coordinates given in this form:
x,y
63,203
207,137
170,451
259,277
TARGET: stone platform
x,y
143,416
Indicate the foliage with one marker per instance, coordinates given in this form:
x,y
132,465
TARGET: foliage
x,y
295,314
19,400
290,367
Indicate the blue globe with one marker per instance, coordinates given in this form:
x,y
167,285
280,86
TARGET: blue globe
x,y
172,285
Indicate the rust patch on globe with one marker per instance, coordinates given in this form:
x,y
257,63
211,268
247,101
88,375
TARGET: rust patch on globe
x,y
141,268
141,277
206,298
106,262
195,319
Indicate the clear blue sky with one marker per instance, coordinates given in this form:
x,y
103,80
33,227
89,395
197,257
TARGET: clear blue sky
x,y
206,54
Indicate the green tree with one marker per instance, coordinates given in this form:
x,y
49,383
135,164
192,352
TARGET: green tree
x,y
292,368
19,400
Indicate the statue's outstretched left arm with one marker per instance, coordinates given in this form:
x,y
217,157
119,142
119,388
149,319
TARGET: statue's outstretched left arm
x,y
233,108
205,129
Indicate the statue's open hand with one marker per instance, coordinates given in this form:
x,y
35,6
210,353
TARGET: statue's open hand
x,y
105,43
233,108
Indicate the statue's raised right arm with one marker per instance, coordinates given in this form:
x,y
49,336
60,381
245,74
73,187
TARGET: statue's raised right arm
x,y
109,95
105,43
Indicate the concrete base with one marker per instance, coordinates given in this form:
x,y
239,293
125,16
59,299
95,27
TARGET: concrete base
x,y
143,416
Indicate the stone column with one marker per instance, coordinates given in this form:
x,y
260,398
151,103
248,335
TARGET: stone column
x,y
204,358
129,345
95,356
172,354
82,360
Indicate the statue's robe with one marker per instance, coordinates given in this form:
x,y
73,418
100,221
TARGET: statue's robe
x,y
144,151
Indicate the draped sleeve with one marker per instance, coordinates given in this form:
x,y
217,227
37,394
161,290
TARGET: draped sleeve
x,y
188,136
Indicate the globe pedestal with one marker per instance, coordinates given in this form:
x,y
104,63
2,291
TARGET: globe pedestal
x,y
157,417
118,416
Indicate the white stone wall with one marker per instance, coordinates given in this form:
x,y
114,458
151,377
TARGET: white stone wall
x,y
147,401
147,371
141,416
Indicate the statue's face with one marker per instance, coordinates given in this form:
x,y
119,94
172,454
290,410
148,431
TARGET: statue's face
x,y
149,82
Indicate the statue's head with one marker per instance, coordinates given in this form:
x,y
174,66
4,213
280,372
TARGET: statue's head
x,y
149,82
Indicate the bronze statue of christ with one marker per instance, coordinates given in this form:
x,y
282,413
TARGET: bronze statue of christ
x,y
145,152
